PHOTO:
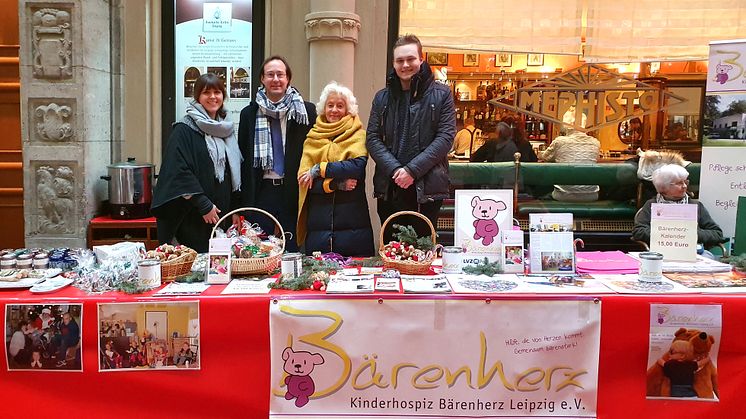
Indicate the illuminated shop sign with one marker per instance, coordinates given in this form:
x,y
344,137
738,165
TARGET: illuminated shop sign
x,y
602,96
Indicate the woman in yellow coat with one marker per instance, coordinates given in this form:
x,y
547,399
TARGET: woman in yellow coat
x,y
332,205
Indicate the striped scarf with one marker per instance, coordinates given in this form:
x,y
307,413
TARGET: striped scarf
x,y
291,106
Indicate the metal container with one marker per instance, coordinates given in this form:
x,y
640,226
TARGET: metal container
x,y
41,261
292,265
8,261
24,261
130,189
651,267
452,259
149,272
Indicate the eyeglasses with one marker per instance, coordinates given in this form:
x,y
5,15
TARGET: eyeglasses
x,y
684,182
279,76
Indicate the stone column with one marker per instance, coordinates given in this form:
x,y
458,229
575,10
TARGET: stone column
x,y
65,116
332,30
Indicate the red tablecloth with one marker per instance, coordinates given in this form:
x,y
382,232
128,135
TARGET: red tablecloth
x,y
234,379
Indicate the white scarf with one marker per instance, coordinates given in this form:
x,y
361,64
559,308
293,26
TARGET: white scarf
x,y
221,141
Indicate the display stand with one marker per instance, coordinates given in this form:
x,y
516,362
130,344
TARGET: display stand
x,y
106,230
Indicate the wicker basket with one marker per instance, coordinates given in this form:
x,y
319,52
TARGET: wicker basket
x,y
254,266
407,267
177,267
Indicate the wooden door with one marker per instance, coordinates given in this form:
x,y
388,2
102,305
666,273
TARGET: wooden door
x,y
11,158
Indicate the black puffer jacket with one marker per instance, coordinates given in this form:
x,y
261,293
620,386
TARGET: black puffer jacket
x,y
432,117
339,221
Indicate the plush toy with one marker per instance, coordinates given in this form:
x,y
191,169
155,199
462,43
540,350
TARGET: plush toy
x,y
705,379
484,212
299,366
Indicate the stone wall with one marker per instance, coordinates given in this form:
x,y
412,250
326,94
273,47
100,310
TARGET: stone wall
x,y
65,116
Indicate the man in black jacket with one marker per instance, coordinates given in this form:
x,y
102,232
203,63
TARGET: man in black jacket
x,y
271,133
410,132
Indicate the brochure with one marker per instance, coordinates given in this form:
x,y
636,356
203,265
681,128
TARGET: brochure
x,y
483,284
219,261
182,288
563,284
631,284
248,286
719,282
551,243
684,346
344,284
673,231
426,284
388,284
512,251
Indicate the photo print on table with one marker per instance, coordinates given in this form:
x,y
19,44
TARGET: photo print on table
x,y
147,336
43,337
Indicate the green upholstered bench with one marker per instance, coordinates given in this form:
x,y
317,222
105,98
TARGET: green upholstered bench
x,y
606,175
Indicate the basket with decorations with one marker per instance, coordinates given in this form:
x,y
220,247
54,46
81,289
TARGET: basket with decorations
x,y
409,254
176,260
253,255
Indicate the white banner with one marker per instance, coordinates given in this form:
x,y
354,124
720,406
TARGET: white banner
x,y
363,358
722,180
726,70
214,37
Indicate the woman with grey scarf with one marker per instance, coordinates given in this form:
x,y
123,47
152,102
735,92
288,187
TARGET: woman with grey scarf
x,y
200,176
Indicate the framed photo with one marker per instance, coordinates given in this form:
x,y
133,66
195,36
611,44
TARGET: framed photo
x,y
535,59
503,60
437,58
43,337
147,336
471,60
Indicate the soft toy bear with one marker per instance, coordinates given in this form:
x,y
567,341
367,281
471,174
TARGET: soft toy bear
x,y
721,71
485,226
705,379
299,366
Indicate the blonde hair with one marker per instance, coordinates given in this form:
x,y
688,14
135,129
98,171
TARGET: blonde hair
x,y
337,89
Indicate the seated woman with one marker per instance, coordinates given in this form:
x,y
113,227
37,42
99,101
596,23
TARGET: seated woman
x,y
524,146
500,148
671,182
332,205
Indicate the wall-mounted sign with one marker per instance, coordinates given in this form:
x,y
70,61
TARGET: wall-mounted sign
x,y
596,95
214,37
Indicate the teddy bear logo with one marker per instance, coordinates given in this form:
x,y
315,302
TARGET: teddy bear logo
x,y
484,212
299,365
721,71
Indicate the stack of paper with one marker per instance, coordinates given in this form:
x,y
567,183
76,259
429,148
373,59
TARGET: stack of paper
x,y
702,264
182,288
614,262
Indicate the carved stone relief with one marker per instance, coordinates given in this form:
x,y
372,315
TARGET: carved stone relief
x,y
55,200
332,26
52,122
51,44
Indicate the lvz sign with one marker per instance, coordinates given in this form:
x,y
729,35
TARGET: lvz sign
x,y
603,96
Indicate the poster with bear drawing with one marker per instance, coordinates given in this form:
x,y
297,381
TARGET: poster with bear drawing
x,y
684,343
480,215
